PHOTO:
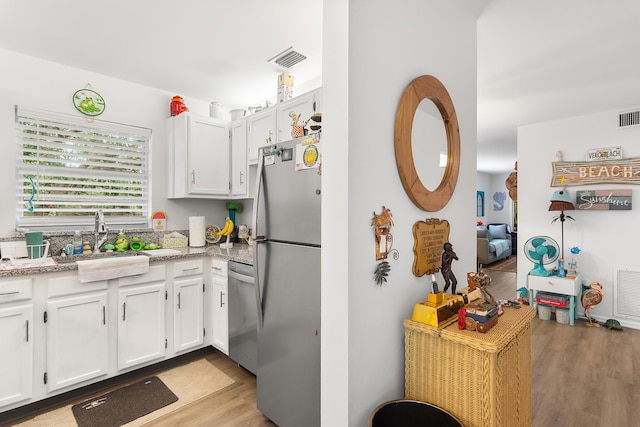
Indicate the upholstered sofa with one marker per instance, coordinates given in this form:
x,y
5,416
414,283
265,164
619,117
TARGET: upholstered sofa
x,y
494,243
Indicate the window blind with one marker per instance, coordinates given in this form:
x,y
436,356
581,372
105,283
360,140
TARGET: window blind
x,y
69,167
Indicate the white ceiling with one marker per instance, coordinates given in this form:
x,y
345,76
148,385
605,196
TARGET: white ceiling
x,y
537,60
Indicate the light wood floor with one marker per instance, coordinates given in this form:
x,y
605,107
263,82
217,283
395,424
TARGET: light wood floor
x,y
581,376
233,406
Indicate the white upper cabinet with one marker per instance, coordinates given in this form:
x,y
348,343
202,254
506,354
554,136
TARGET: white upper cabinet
x,y
239,159
304,105
199,157
261,131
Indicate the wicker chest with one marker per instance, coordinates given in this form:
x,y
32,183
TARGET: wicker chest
x,y
482,379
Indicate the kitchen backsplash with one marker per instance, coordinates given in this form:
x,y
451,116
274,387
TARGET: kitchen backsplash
x,y
59,239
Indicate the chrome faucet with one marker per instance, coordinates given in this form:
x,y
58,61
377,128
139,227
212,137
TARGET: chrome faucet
x,y
100,229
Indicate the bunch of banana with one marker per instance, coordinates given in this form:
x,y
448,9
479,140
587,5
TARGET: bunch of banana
x,y
227,229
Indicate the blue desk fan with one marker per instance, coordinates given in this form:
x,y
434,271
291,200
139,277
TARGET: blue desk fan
x,y
541,250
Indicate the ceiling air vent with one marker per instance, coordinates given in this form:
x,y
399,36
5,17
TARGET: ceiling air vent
x,y
288,58
630,118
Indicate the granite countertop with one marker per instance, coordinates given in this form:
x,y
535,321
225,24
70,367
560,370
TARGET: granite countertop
x,y
239,252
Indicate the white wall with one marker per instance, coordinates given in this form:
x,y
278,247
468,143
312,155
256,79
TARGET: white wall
x,y
493,184
483,183
46,85
499,206
607,238
372,50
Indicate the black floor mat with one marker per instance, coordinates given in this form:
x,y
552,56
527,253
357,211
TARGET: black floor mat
x,y
124,405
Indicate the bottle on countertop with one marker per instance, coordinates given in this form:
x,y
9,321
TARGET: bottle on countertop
x,y
77,243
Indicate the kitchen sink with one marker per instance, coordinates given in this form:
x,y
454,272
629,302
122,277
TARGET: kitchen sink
x,y
113,267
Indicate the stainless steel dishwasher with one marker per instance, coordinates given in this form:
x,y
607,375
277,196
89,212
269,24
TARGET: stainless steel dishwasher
x,y
243,316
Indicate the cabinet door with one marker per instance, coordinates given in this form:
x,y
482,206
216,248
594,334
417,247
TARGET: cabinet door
x,y
77,339
220,309
141,327
188,313
199,157
239,158
208,146
261,131
304,105
16,353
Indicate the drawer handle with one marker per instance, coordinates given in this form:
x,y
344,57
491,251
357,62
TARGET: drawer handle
x,y
184,270
217,268
9,293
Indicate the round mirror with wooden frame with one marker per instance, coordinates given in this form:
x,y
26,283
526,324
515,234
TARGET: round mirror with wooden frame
x,y
426,87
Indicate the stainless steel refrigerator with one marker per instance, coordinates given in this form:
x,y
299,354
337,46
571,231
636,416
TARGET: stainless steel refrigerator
x,y
286,229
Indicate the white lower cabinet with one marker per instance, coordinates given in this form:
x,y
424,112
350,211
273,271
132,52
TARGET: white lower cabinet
x,y
141,318
219,308
16,353
58,334
188,305
77,338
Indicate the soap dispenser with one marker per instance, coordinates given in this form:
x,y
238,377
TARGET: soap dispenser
x,y
77,243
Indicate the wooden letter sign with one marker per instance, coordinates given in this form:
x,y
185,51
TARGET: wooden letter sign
x,y
429,238
626,171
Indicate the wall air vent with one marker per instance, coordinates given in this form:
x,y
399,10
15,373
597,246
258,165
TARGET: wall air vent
x,y
629,118
626,294
287,58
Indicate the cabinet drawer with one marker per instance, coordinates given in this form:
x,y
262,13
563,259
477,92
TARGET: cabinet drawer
x,y
71,284
156,274
188,268
16,290
555,284
219,267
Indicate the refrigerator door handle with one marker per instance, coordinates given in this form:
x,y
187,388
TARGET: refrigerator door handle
x,y
256,273
257,241
256,199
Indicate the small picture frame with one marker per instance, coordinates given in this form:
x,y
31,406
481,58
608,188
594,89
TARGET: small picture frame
x,y
479,203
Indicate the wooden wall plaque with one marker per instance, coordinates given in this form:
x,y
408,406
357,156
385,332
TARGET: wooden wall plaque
x,y
625,171
429,238
603,200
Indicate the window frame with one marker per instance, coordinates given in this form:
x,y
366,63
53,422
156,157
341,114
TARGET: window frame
x,y
106,154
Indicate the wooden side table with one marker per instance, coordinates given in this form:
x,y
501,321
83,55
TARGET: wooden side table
x,y
484,380
556,285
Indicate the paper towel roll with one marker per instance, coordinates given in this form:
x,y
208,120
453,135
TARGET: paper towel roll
x,y
197,231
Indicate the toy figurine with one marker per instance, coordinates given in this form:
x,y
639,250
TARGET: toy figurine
x,y
136,244
447,258
122,244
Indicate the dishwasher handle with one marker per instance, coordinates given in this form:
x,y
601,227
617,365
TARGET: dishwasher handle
x,y
241,277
